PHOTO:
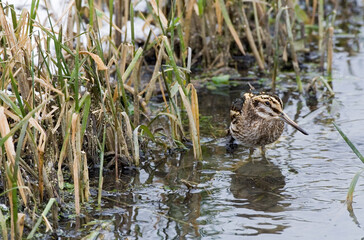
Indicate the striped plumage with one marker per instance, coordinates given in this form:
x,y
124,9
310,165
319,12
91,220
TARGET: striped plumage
x,y
258,120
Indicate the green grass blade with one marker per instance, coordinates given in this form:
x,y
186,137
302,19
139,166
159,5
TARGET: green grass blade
x,y
147,131
4,96
131,65
102,151
19,148
15,174
13,16
351,145
174,64
44,213
122,89
76,80
111,10
92,11
349,197
33,13
11,189
86,102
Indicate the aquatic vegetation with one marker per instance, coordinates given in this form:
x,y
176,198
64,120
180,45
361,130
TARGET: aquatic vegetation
x,y
349,198
74,84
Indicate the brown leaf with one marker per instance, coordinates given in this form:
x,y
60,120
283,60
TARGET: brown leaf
x,y
100,64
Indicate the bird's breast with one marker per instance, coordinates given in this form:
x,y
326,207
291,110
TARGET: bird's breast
x,y
256,131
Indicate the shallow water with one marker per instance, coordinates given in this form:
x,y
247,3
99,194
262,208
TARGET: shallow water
x,y
298,192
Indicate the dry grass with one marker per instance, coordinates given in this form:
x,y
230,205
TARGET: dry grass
x,y
76,91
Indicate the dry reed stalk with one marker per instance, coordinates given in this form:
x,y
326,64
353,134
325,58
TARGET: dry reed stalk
x,y
40,175
124,148
11,115
170,112
205,48
10,164
76,147
187,21
258,31
69,29
116,143
159,13
66,126
129,131
136,156
10,152
18,50
20,225
314,7
219,17
123,57
251,41
192,122
124,52
276,48
321,23
196,113
151,85
231,26
176,133
85,177
330,50
40,153
135,78
119,19
8,32
293,52
48,225
46,84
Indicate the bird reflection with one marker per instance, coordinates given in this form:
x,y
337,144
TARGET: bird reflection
x,y
261,184
258,185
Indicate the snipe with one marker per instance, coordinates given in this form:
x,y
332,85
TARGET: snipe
x,y
258,120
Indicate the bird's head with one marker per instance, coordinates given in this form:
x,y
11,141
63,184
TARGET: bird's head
x,y
270,106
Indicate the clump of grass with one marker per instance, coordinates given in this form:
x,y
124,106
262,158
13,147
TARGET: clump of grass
x,y
65,99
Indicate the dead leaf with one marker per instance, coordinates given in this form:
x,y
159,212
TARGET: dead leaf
x,y
100,64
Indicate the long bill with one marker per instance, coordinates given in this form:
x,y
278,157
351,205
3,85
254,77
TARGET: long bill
x,y
285,118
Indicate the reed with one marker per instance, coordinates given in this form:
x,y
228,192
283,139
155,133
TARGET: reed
x,y
330,51
293,52
75,92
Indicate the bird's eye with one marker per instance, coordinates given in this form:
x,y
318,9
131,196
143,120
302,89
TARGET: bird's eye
x,y
267,103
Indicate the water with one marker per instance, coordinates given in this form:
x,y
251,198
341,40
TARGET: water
x,y
298,192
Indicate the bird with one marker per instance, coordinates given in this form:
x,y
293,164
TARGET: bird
x,y
258,120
